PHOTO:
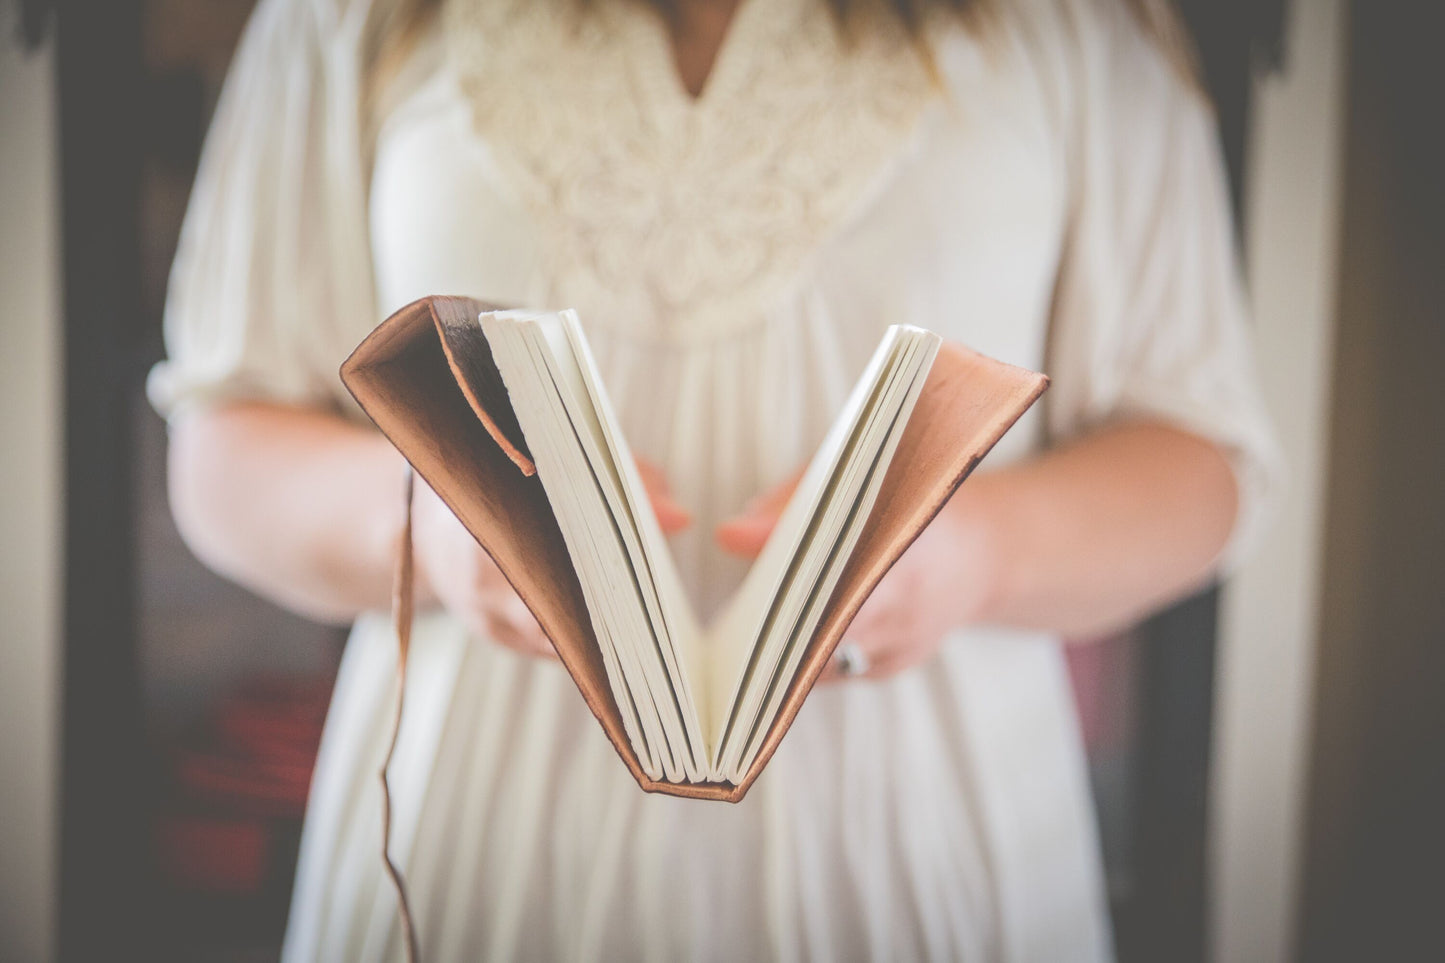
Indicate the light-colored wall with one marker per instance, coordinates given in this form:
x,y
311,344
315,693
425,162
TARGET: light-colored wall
x,y
1270,617
30,499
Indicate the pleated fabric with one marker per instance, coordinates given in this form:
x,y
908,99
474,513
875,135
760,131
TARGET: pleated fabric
x,y
872,834
1056,201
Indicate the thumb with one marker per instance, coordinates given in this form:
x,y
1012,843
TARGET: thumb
x,y
746,533
671,516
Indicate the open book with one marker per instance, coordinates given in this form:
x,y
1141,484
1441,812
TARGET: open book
x,y
505,416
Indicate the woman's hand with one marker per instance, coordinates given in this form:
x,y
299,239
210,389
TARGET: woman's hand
x,y
938,584
1081,540
670,515
746,533
455,571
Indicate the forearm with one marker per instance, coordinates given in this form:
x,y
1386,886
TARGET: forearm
x,y
1090,537
298,505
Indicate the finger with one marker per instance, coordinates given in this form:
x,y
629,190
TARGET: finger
x,y
774,499
653,478
871,643
896,661
509,605
745,536
879,667
524,643
514,623
671,516
540,646
830,673
874,622
903,649
747,532
526,640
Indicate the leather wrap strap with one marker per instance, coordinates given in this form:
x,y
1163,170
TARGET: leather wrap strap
x,y
403,603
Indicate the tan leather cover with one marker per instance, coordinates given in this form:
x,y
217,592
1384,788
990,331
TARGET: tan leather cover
x,y
426,377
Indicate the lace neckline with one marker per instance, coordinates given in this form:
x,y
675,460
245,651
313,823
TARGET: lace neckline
x,y
669,217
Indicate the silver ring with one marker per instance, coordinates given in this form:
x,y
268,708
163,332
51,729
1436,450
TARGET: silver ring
x,y
850,659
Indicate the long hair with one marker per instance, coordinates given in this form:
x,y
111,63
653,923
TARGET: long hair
x,y
393,32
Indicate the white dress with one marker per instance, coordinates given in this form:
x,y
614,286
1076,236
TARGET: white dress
x,y
1051,196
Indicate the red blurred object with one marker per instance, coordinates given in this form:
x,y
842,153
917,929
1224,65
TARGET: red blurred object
x,y
215,855
240,780
1102,672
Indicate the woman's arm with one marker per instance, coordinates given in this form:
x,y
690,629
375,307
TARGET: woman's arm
x,y
1078,541
305,508
1092,536
300,506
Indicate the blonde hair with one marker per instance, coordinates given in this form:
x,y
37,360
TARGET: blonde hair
x,y
397,25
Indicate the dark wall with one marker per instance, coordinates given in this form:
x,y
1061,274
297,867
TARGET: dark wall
x,y
1373,885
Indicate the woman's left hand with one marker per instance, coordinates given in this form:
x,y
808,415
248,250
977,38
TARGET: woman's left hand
x,y
939,584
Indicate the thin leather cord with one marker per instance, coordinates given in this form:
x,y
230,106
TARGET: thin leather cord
x,y
402,602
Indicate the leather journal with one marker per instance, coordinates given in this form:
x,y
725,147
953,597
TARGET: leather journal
x,y
472,396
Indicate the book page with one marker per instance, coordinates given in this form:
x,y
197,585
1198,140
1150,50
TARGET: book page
x,y
545,426
653,577
883,439
781,626
739,627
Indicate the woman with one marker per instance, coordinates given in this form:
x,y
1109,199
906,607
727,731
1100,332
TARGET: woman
x,y
737,198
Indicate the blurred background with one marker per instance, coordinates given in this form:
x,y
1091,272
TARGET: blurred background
x,y
1268,758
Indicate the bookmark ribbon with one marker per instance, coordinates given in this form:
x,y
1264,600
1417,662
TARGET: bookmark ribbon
x,y
403,603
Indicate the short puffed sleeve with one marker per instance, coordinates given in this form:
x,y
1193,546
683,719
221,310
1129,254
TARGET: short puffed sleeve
x,y
1150,320
271,284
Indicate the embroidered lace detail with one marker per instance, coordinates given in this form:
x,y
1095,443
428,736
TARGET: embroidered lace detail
x,y
666,217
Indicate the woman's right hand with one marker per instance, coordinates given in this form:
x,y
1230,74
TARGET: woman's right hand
x,y
455,572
